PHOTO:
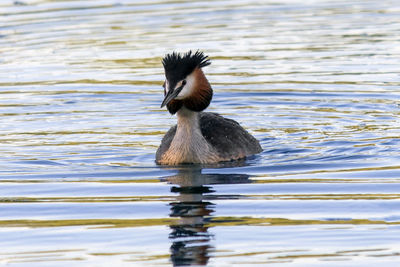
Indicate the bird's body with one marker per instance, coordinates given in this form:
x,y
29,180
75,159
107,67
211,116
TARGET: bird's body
x,y
198,137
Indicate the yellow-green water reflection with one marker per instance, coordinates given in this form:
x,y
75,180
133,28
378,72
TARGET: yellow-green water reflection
x,y
80,88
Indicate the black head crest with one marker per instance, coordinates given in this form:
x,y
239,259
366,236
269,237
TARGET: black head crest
x,y
178,66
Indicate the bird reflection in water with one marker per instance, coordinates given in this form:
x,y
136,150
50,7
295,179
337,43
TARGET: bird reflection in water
x,y
191,241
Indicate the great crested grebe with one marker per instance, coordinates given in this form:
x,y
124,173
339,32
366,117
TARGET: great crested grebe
x,y
199,137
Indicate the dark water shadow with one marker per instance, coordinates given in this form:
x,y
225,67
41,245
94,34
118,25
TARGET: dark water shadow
x,y
190,238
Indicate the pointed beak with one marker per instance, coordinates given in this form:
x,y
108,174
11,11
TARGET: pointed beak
x,y
171,95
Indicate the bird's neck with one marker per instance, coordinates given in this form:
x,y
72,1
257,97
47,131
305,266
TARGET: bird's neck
x,y
188,144
188,122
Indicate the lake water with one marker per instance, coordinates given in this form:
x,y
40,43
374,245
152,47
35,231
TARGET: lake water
x,y
317,82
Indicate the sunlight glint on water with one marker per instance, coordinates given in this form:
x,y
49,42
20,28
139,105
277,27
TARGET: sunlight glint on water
x,y
316,82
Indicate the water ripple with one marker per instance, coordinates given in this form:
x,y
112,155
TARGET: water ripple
x,y
316,82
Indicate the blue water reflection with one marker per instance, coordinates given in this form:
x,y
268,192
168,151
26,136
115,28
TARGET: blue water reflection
x,y
315,81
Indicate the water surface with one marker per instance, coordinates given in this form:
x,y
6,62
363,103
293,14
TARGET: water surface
x,y
316,82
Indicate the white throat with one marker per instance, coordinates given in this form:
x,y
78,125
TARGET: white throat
x,y
188,121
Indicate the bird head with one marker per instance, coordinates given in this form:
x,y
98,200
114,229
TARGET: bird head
x,y
185,83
